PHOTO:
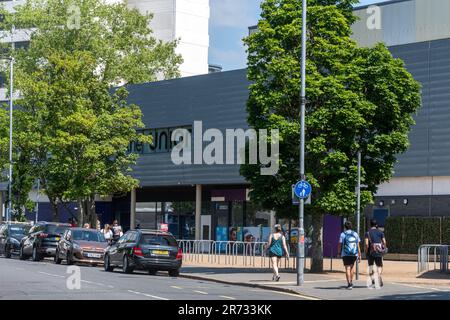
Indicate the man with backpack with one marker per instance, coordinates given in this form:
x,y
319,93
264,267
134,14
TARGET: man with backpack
x,y
350,251
375,248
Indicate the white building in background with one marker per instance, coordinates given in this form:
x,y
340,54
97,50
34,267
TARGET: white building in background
x,y
183,20
186,20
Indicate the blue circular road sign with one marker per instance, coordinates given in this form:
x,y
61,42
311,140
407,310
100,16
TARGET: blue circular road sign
x,y
302,189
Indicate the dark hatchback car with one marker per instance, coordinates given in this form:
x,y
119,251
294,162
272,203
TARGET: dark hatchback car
x,y
149,250
81,245
42,240
11,236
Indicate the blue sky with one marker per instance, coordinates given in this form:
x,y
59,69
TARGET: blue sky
x,y
229,23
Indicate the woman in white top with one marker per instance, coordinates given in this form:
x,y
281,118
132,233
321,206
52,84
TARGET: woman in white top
x,y
107,233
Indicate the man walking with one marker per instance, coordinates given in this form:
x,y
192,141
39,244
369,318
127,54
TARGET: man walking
x,y
374,248
350,251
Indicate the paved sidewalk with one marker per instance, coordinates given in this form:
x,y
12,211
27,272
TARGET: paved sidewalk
x,y
330,286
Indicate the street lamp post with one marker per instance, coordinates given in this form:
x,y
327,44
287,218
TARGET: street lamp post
x,y
11,95
301,237
358,206
37,199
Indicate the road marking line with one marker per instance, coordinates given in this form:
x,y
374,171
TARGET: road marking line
x,y
201,292
155,297
226,297
51,275
420,287
285,293
175,287
147,295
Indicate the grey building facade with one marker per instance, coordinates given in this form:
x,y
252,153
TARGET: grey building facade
x,y
421,182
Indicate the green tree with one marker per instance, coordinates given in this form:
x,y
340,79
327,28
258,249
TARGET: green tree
x,y
79,51
358,99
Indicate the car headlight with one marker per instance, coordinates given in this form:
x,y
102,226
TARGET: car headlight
x,y
76,246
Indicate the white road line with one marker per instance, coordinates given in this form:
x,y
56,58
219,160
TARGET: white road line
x,y
420,287
201,292
51,275
147,295
175,287
226,297
285,293
155,297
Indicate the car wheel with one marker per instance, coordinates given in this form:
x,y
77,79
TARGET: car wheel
x,y
21,254
57,258
35,255
126,265
107,264
69,259
174,273
152,272
7,251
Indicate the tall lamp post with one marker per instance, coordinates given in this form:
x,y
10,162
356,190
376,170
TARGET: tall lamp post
x,y
301,237
358,207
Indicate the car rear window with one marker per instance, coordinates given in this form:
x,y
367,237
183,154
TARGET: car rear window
x,y
81,235
54,229
19,230
155,239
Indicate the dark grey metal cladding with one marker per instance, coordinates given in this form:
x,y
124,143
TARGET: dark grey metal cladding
x,y
429,153
218,100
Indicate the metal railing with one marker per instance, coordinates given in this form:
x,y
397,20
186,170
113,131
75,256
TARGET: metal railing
x,y
230,253
438,253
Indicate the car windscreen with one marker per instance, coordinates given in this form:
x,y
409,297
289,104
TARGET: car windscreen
x,y
55,229
81,235
155,239
18,230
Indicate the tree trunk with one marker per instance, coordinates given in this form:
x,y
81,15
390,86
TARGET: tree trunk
x,y
317,245
54,204
80,212
92,213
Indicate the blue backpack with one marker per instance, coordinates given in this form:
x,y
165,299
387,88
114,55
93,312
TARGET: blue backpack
x,y
350,244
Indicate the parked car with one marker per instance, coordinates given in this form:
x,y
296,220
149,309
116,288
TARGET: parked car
x,y
142,249
81,245
42,240
11,236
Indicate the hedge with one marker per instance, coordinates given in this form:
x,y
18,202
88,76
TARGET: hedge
x,y
394,234
406,234
445,229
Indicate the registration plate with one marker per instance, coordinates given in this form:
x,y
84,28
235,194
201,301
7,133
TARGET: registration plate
x,y
93,255
161,252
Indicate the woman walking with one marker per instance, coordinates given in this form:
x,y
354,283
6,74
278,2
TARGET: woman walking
x,y
107,233
277,242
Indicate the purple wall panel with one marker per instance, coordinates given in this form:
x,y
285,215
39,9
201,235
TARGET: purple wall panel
x,y
332,228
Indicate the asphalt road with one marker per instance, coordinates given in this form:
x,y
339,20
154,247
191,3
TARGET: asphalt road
x,y
45,280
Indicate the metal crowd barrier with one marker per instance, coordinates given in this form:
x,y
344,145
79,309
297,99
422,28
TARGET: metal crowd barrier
x,y
230,253
438,253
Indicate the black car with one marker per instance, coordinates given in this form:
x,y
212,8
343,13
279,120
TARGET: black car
x,y
42,240
145,250
11,236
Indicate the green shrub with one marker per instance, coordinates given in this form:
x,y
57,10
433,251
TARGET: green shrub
x,y
445,230
412,235
431,230
394,233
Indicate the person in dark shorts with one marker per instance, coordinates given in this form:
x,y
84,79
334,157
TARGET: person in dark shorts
x,y
350,251
275,248
374,248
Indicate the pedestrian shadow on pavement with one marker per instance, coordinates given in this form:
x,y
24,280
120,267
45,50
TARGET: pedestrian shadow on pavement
x,y
228,270
434,274
340,288
417,296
